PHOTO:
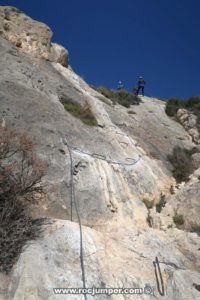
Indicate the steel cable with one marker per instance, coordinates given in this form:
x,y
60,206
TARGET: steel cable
x,y
103,157
73,200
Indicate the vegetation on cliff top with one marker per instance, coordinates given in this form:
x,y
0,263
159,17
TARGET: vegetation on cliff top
x,y
121,97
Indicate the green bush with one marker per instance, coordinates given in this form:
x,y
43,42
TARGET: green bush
x,y
195,228
172,106
182,163
122,97
160,204
148,203
131,112
178,220
83,113
106,92
169,226
149,220
196,286
192,104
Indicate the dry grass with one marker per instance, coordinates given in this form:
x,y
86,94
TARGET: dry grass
x,y
122,97
82,113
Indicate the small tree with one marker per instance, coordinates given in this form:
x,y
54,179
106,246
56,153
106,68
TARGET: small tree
x,y
20,178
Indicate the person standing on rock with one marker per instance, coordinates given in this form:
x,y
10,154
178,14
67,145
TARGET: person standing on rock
x,y
141,84
120,85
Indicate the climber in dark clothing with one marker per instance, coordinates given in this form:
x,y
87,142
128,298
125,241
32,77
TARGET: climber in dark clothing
x,y
141,84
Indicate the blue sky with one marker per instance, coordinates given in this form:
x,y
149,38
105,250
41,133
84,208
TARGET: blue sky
x,y
111,40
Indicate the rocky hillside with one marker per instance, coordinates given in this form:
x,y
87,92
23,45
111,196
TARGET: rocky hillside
x,y
120,173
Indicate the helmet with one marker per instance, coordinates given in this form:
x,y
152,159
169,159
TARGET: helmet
x,y
140,77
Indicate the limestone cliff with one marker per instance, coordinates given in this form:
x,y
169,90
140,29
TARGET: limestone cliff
x,y
116,166
31,36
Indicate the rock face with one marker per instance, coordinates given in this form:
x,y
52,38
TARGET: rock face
x,y
59,54
189,122
186,202
125,261
152,128
117,165
31,36
36,87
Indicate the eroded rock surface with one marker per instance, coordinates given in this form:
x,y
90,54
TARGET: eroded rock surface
x,y
110,261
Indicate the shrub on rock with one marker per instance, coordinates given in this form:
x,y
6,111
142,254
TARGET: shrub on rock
x,y
20,178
